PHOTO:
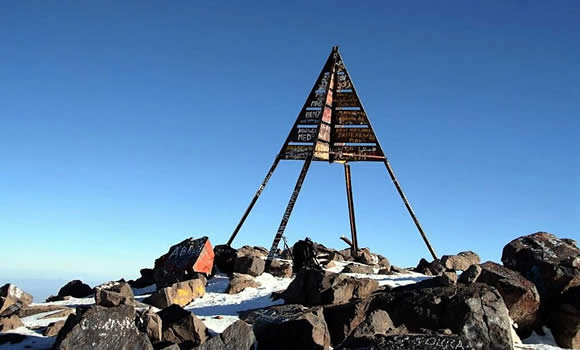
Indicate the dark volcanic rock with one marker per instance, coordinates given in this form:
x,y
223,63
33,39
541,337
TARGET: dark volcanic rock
x,y
184,261
357,268
280,269
461,261
149,323
53,328
31,310
250,265
225,258
11,338
470,275
104,328
307,286
10,323
12,295
377,322
476,312
344,318
180,293
238,336
409,342
258,252
182,327
519,294
75,289
564,319
239,282
145,280
546,261
114,294
433,268
289,327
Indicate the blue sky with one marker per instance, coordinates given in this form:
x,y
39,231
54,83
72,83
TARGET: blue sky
x,y
127,127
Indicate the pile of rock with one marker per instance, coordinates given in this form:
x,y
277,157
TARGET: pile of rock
x,y
12,300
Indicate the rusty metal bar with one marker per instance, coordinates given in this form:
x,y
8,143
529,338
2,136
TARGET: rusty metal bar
x,y
411,212
288,211
253,202
354,246
346,240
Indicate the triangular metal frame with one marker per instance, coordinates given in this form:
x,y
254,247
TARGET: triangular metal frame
x,y
331,126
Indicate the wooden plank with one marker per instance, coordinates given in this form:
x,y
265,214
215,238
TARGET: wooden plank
x,y
322,151
309,117
303,134
324,133
346,99
354,135
358,153
296,152
351,117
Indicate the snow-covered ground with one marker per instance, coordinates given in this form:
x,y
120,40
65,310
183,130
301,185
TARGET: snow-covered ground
x,y
218,310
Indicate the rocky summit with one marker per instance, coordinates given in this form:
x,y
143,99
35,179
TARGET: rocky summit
x,y
325,298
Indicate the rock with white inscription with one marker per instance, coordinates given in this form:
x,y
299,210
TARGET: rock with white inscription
x,y
12,295
409,342
476,312
180,293
104,328
184,261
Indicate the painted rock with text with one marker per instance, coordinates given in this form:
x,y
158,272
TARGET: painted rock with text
x,y
184,261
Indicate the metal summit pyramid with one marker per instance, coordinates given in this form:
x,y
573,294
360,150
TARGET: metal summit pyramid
x,y
331,126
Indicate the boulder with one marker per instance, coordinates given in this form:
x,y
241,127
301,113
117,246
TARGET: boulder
x,y
53,328
342,319
365,257
146,279
12,295
250,265
280,269
184,261
475,312
75,289
520,295
105,328
31,310
225,258
114,294
546,261
10,323
149,322
238,336
358,268
239,282
289,327
307,287
182,327
564,319
180,293
257,252
409,342
383,262
378,322
470,275
433,268
461,261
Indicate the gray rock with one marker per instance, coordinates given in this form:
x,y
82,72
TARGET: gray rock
x,y
182,327
53,328
114,294
357,268
250,265
106,328
150,323
461,261
470,275
238,336
239,282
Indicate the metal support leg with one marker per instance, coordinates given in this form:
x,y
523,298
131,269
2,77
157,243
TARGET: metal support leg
x,y
288,211
354,246
404,198
256,196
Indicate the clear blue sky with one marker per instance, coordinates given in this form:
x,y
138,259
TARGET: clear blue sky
x,y
127,127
